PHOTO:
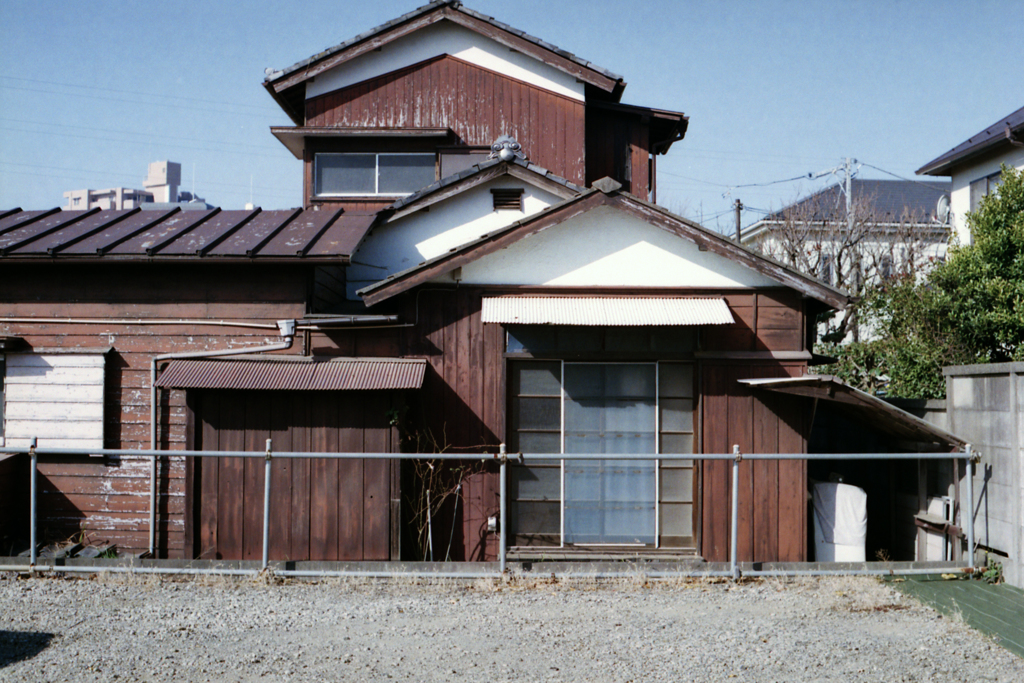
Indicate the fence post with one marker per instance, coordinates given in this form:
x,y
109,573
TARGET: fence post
x,y
266,507
970,505
34,459
734,567
503,502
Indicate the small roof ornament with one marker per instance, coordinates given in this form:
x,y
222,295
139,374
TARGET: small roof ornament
x,y
506,148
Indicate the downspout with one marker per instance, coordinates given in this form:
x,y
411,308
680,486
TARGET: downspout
x,y
287,329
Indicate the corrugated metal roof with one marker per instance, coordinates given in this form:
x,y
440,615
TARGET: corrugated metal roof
x,y
181,235
867,408
612,311
337,374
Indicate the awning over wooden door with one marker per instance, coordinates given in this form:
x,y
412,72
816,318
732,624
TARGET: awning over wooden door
x,y
296,374
605,311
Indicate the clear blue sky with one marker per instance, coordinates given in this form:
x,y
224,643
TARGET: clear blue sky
x,y
92,92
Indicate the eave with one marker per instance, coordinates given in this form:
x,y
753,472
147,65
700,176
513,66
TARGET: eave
x,y
287,86
591,199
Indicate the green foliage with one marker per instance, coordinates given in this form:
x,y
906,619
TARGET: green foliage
x,y
993,571
969,309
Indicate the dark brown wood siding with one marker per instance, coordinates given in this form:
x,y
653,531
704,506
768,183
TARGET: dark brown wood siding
x,y
771,320
478,105
108,498
618,147
320,509
772,493
462,402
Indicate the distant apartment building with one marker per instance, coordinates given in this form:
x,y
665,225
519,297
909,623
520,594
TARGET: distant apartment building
x,y
161,183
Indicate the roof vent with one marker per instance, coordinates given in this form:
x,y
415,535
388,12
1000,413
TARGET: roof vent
x,y
508,198
506,148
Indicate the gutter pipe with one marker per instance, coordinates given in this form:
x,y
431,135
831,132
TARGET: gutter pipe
x,y
287,329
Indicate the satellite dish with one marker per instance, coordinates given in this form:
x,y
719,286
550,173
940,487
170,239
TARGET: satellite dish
x,y
942,210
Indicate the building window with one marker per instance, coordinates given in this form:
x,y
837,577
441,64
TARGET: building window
x,y
983,187
825,269
339,175
885,267
610,408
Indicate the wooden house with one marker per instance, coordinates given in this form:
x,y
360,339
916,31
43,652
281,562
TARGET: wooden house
x,y
479,260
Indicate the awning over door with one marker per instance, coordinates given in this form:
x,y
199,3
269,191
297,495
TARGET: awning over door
x,y
605,311
296,374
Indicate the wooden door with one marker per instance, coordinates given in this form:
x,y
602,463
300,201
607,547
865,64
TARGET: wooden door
x,y
320,509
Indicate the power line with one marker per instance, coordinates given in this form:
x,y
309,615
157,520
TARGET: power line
x,y
144,94
909,180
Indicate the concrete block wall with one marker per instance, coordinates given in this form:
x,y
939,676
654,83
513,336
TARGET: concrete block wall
x,y
985,405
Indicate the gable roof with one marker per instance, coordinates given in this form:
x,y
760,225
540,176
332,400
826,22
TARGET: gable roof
x,y
287,86
605,193
1006,132
476,175
175,235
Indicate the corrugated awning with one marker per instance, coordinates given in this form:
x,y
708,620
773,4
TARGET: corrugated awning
x,y
338,374
865,407
599,310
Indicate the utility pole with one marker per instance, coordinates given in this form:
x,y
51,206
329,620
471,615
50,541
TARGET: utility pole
x,y
855,323
849,193
739,207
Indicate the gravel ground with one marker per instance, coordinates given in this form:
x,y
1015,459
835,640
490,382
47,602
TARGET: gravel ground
x,y
133,628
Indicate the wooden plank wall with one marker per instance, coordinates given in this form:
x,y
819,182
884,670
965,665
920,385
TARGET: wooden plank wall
x,y
477,104
771,320
773,494
320,509
107,498
463,397
618,146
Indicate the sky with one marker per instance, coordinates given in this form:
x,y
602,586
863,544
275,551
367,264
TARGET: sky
x,y
92,92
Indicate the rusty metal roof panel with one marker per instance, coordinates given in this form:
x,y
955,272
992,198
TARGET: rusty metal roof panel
x,y
36,230
343,236
247,240
113,234
605,311
147,232
206,234
301,234
18,218
339,374
869,409
74,233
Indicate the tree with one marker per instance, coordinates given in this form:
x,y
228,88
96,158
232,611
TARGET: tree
x,y
969,309
855,253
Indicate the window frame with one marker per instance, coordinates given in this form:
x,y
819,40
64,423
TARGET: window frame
x,y
661,395
376,177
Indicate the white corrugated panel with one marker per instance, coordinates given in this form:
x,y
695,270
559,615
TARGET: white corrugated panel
x,y
57,398
599,311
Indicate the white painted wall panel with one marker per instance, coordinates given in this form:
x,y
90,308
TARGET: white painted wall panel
x,y
960,197
417,237
609,248
56,398
451,39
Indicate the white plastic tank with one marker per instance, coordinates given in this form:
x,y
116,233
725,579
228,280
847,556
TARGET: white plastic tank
x,y
840,522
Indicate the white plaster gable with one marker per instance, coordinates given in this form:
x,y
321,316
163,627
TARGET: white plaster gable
x,y
448,38
608,248
417,237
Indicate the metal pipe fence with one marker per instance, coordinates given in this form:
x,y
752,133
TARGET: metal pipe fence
x,y
503,459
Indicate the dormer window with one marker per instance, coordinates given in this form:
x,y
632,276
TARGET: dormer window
x,y
367,174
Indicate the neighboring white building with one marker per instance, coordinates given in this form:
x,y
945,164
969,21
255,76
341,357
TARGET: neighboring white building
x,y
974,166
111,198
161,185
892,229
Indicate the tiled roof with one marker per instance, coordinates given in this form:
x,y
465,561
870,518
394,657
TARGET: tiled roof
x,y
888,199
995,135
464,174
180,235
